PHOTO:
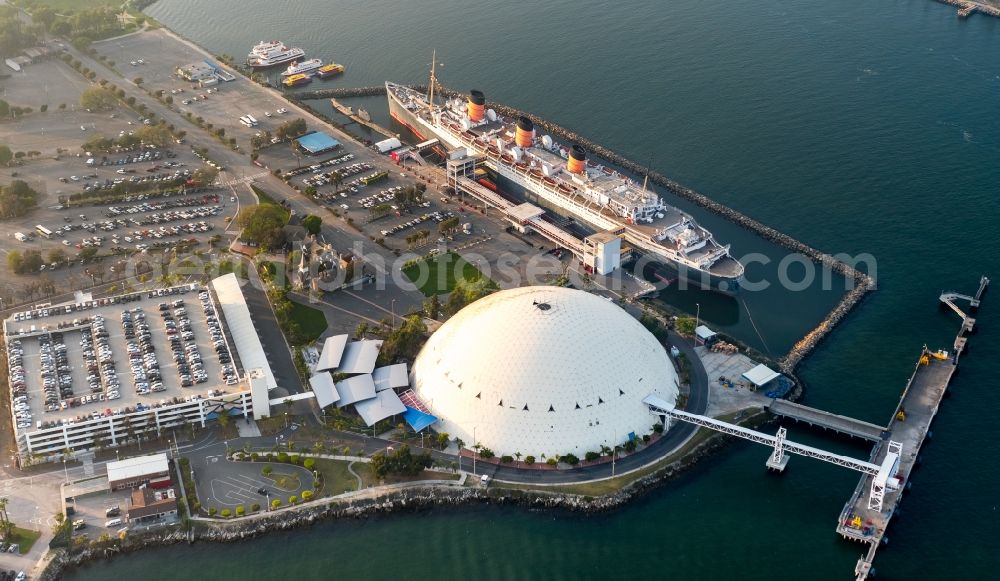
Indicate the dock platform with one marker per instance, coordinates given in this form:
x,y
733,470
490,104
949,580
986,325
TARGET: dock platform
x,y
827,420
908,429
349,112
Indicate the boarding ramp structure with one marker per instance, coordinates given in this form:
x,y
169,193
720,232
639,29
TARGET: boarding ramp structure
x,y
524,217
949,298
826,420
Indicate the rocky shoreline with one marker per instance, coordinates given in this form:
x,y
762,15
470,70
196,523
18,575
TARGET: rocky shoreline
x,y
393,501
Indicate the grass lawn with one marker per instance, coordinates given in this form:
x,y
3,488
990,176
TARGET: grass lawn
x,y
369,479
336,478
286,482
64,6
24,538
441,273
263,196
233,265
311,321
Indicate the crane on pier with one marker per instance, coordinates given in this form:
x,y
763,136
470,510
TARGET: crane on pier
x,y
882,473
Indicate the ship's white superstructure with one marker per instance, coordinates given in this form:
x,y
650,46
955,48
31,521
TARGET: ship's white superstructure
x,y
302,68
563,177
272,53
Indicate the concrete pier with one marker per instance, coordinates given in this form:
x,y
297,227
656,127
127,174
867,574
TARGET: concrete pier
x,y
349,112
908,428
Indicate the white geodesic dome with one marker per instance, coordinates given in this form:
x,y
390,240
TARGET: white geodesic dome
x,y
543,370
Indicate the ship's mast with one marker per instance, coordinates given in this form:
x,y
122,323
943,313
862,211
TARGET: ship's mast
x,y
430,93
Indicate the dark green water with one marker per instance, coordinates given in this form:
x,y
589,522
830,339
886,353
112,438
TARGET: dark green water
x,y
855,126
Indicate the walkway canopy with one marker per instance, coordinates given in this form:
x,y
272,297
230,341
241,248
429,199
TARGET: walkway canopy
x,y
322,386
391,377
761,375
355,389
359,357
385,404
333,351
317,142
417,419
704,333
234,308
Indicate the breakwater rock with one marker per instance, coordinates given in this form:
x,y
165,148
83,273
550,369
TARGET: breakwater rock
x,y
862,283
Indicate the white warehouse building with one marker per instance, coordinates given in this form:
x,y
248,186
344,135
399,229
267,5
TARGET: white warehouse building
x,y
543,370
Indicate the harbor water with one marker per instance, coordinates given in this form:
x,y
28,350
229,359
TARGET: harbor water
x,y
857,127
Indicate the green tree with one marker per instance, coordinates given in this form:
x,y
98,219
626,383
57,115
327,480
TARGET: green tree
x,y
4,108
6,155
400,461
97,98
307,495
685,325
240,511
275,503
529,460
205,175
17,199
157,135
432,307
43,15
312,224
56,255
309,463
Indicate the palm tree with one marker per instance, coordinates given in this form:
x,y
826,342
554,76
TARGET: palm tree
x,y
460,443
518,456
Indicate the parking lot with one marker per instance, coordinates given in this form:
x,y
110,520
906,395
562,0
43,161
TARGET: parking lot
x,y
222,107
135,351
225,484
95,510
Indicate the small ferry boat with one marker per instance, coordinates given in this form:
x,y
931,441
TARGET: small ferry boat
x,y
302,68
330,70
297,80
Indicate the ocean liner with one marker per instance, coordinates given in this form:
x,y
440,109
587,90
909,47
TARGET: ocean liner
x,y
564,179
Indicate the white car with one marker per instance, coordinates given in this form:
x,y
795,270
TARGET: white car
x,y
82,128
345,206
65,242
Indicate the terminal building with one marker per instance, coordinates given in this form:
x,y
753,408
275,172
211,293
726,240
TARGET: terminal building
x,y
142,471
196,72
543,371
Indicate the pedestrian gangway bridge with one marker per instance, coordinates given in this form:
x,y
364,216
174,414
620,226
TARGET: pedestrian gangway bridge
x,y
827,420
885,475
